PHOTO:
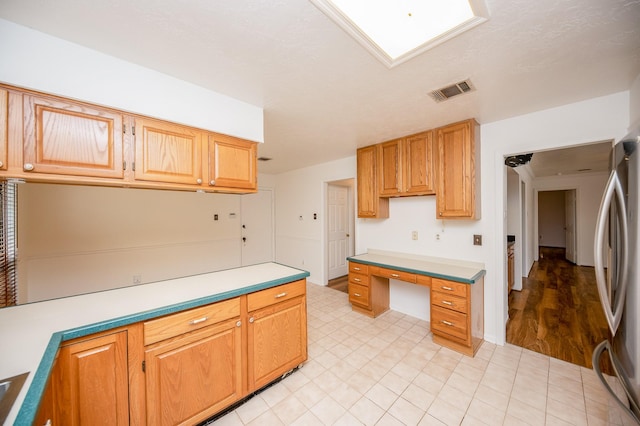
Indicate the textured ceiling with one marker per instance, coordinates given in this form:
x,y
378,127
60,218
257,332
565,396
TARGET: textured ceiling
x,y
324,95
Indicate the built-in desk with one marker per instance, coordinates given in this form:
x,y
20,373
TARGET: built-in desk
x,y
456,293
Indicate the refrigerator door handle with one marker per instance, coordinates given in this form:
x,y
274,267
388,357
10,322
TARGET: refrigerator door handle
x,y
613,193
595,359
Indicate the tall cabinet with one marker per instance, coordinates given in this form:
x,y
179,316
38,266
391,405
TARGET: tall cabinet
x,y
370,204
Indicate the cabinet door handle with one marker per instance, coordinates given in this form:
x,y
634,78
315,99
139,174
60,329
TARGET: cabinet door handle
x,y
395,275
251,320
449,323
239,323
357,280
1,164
446,288
212,182
198,181
278,296
357,294
28,167
198,321
446,302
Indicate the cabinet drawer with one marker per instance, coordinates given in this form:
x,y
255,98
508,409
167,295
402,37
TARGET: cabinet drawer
x,y
423,280
358,268
193,319
270,296
359,279
449,322
394,274
451,287
448,301
359,295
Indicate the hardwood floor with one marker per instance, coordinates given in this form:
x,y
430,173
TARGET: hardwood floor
x,y
340,284
558,311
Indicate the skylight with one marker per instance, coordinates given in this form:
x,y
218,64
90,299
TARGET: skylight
x,y
397,30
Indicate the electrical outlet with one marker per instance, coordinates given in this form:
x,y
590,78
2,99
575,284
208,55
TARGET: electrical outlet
x,y
477,240
414,235
137,279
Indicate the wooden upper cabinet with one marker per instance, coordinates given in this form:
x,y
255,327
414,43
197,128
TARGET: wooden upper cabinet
x,y
390,159
4,128
167,152
232,162
407,166
419,165
370,204
458,170
64,137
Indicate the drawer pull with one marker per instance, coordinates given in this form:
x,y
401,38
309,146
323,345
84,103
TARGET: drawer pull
x,y
198,321
444,287
357,294
446,302
357,280
395,275
279,295
355,268
449,323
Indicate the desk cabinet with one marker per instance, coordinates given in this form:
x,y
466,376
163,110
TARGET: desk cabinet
x,y
457,309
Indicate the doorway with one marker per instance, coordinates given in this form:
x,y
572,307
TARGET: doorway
x,y
557,222
340,224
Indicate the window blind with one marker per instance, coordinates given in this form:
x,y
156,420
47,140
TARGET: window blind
x,y
8,288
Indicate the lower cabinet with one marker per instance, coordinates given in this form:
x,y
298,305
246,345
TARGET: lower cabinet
x,y
89,383
190,378
182,368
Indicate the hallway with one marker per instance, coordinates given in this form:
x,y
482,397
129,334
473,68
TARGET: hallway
x,y
558,311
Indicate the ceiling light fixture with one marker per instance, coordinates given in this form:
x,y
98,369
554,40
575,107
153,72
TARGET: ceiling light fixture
x,y
396,31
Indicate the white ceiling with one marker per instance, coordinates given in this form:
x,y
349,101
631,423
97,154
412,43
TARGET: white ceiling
x,y
324,95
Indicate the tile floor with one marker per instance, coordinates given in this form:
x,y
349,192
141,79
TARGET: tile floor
x,y
387,371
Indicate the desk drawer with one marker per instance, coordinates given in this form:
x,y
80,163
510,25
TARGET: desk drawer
x,y
393,274
359,279
359,295
193,319
358,268
451,287
273,295
449,301
449,322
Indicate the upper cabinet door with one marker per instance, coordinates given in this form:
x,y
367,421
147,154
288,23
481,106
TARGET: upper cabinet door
x,y
390,161
167,152
370,205
419,164
457,150
232,162
4,128
68,138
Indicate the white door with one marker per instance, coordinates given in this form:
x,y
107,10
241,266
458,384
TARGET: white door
x,y
257,227
338,229
570,225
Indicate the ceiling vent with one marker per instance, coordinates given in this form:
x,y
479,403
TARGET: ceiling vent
x,y
451,91
517,160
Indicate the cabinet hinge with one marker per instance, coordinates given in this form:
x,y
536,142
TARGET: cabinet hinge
x,y
124,128
144,367
133,130
124,165
133,166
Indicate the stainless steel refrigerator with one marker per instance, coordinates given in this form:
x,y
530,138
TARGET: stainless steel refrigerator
x,y
617,268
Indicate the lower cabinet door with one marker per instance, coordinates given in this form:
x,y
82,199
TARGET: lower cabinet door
x,y
277,340
93,378
192,377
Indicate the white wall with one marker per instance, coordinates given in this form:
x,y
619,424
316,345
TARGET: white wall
x,y
634,104
592,120
35,60
78,239
301,243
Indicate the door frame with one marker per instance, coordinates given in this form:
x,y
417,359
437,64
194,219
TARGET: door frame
x,y
536,239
